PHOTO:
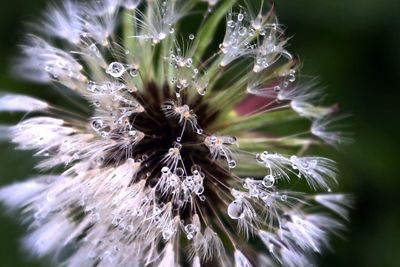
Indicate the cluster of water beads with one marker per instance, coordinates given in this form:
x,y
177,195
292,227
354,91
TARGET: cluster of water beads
x,y
218,146
256,190
191,230
302,164
236,40
117,69
186,75
107,87
176,183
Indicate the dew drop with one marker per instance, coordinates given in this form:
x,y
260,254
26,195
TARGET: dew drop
x,y
195,169
240,17
165,170
191,37
92,86
190,230
92,255
116,69
232,140
235,210
199,189
133,72
242,31
179,172
232,164
268,181
284,197
97,124
167,234
95,51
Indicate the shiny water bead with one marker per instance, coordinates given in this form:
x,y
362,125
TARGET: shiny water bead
x,y
133,72
261,157
191,231
179,172
94,51
92,86
231,140
116,69
268,181
232,164
199,189
97,125
235,209
196,169
168,234
165,170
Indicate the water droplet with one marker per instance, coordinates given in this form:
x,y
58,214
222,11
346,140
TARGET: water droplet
x,y
199,189
240,17
232,164
92,86
284,197
260,158
97,124
116,69
178,145
292,78
232,140
190,230
94,50
165,170
167,234
268,181
133,72
92,255
191,37
195,169
242,31
179,172
235,210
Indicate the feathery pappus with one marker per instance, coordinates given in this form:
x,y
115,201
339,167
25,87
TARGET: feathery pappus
x,y
164,169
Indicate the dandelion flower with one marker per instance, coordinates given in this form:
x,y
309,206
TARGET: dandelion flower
x,y
164,171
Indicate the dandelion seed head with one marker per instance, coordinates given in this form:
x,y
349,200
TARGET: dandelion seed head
x,y
164,169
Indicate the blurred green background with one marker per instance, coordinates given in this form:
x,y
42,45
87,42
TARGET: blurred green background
x,y
353,46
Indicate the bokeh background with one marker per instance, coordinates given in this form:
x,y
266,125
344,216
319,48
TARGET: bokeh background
x,y
353,46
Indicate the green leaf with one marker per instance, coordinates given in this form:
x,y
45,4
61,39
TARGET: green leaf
x,y
262,120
